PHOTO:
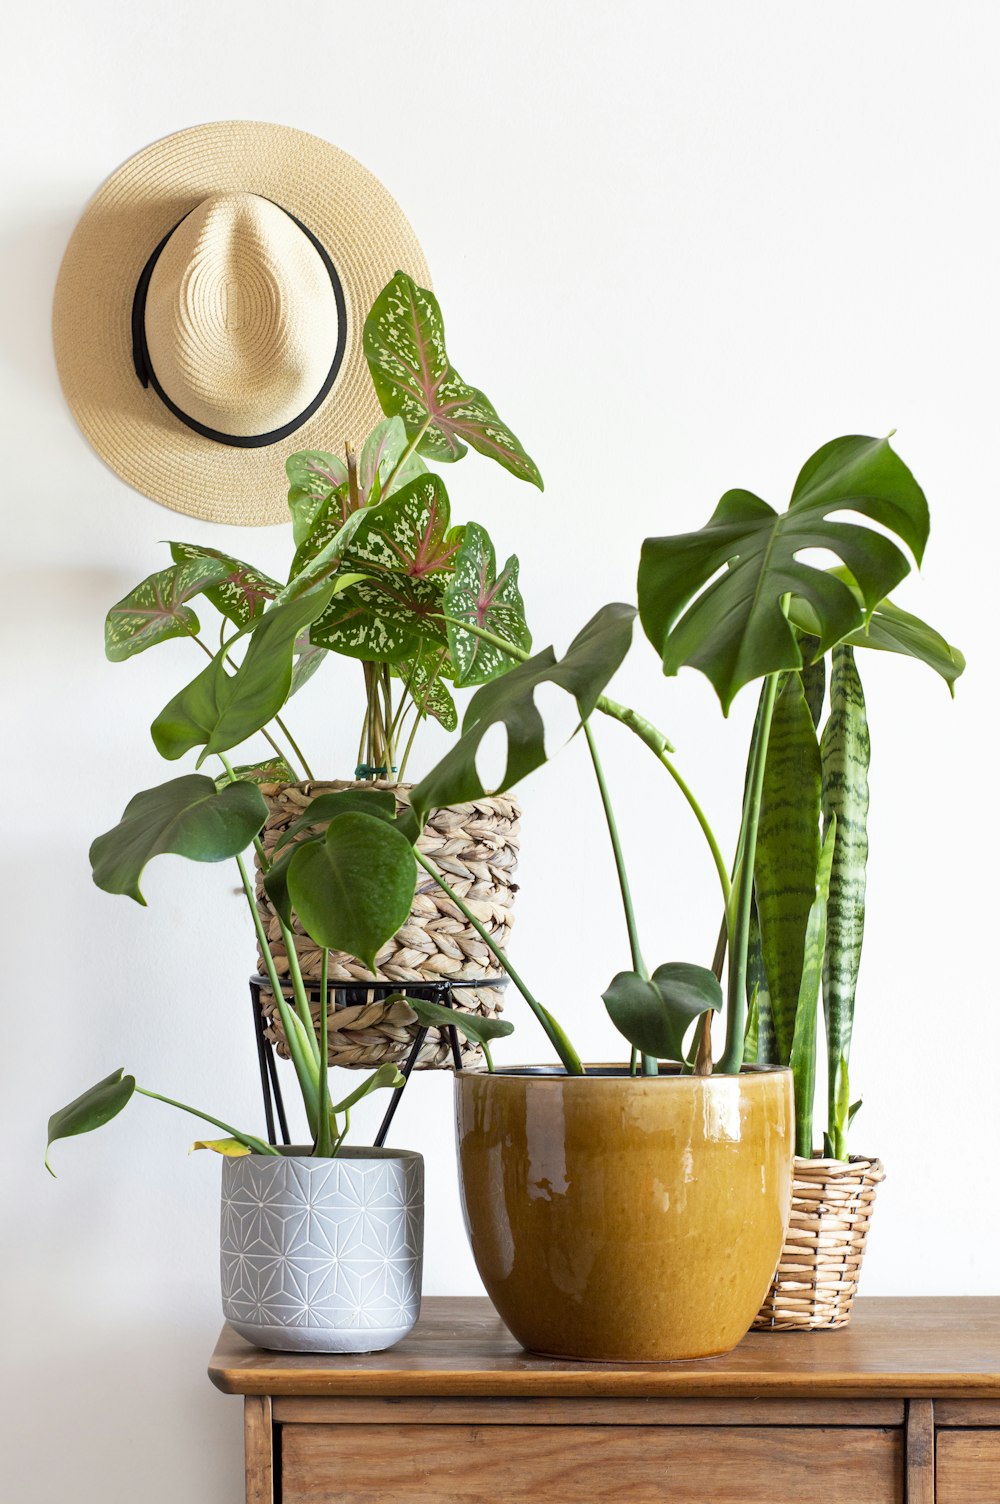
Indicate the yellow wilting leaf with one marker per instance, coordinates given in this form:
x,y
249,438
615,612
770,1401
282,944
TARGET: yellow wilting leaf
x,y
228,1146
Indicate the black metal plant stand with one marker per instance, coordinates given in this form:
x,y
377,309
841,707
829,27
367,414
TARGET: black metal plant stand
x,y
345,996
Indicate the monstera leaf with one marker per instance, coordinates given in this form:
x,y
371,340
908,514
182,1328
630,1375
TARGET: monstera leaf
x,y
477,594
592,658
313,477
218,710
188,816
405,348
734,627
92,1109
243,592
157,609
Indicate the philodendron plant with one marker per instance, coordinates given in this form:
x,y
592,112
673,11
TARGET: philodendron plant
x,y
738,601
379,574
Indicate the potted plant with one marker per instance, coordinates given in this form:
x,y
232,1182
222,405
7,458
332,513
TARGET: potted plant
x,y
637,1211
374,531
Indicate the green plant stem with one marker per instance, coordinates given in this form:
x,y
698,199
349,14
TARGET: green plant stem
x,y
294,746
258,1145
324,1141
411,446
739,926
343,1134
488,1057
553,1029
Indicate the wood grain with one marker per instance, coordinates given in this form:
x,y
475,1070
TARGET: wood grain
x,y
967,1413
258,1449
920,1452
893,1348
567,1465
574,1412
968,1467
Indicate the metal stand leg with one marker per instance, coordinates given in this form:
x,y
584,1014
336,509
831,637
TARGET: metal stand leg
x,y
269,1084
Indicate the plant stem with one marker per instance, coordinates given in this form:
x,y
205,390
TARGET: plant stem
x,y
257,1144
564,1049
324,1142
294,746
739,927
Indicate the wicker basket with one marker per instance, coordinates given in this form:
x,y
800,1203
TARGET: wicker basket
x,y
817,1275
475,846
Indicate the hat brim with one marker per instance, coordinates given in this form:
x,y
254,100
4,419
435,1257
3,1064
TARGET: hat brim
x,y
344,205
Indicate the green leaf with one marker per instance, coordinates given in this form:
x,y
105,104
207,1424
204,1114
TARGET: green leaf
x,y
405,349
408,533
232,1148
478,595
584,671
353,890
273,770
383,620
242,594
758,994
846,753
156,610
470,1025
734,628
803,1052
380,457
386,1076
813,676
787,853
91,1110
189,817
326,807
308,657
655,1014
322,546
313,477
219,710
425,683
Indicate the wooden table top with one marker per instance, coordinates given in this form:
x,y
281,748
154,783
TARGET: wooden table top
x,y
894,1347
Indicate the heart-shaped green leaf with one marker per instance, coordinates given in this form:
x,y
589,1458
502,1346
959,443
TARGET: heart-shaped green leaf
x,y
189,817
733,627
242,594
385,619
313,477
326,807
380,458
387,1075
472,1026
408,533
424,675
405,349
353,890
219,710
654,1013
156,610
492,602
92,1109
583,672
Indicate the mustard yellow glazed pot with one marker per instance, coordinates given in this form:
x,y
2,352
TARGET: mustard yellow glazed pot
x,y
626,1219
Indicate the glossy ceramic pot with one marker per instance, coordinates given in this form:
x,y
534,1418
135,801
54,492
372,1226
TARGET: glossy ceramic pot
x,y
323,1255
626,1219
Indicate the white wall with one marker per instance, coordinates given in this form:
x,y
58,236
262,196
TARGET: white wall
x,y
681,245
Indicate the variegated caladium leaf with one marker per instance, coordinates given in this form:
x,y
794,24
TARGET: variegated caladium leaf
x,y
157,609
242,593
477,594
407,533
313,476
274,770
424,676
308,657
379,465
383,619
405,349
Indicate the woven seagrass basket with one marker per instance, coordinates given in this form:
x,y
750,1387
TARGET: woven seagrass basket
x,y
817,1276
475,846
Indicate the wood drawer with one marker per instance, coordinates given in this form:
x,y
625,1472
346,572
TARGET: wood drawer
x,y
453,1464
968,1467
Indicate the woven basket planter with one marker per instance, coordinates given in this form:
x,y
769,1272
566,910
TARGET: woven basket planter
x,y
817,1276
475,846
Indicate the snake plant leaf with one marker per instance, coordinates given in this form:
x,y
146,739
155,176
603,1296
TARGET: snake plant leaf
x,y
352,891
732,626
219,710
477,594
787,853
424,675
383,620
414,379
803,1052
386,1076
272,770
313,477
845,750
813,676
232,1148
188,817
584,671
92,1109
326,807
655,1013
470,1025
379,465
243,592
157,609
758,997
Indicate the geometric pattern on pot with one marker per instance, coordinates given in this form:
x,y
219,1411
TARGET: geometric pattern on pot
x,y
323,1255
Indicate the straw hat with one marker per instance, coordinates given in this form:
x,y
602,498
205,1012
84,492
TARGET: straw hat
x,y
209,310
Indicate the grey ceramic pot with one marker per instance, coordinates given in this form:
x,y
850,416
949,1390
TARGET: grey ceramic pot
x,y
323,1255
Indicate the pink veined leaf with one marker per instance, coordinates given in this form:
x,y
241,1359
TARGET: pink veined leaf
x,y
156,609
408,533
485,599
243,592
414,379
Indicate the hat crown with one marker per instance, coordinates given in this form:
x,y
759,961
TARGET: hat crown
x,y
241,317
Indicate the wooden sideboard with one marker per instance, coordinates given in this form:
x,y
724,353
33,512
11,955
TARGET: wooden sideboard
x,y
901,1407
